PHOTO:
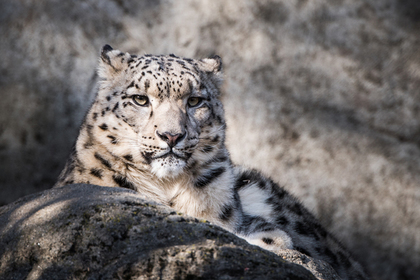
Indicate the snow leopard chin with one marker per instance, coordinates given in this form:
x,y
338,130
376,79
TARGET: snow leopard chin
x,y
167,168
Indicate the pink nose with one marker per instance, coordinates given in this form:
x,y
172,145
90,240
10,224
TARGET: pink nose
x,y
171,139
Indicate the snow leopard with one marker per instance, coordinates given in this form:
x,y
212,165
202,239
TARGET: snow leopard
x,y
157,126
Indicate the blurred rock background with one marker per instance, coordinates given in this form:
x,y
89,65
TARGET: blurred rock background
x,y
323,96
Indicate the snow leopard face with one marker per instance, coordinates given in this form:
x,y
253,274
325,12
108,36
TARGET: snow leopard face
x,y
158,113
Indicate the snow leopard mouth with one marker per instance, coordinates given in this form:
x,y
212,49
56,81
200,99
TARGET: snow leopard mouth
x,y
171,154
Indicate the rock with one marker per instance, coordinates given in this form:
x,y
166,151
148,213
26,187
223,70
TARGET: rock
x,y
326,92
91,232
320,269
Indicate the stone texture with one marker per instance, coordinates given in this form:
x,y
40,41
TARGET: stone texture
x,y
320,269
91,232
321,95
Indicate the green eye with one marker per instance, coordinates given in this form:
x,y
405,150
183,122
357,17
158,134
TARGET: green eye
x,y
141,100
194,101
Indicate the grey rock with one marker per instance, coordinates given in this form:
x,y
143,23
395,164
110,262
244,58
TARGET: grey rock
x,y
330,91
320,269
91,232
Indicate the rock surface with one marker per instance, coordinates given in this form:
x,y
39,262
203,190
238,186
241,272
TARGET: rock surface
x,y
91,232
326,92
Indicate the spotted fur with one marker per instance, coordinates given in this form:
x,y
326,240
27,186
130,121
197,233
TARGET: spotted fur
x,y
157,126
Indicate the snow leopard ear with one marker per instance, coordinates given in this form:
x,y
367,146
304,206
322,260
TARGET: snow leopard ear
x,y
212,66
111,62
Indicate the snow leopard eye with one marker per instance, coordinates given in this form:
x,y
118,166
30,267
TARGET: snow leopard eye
x,y
141,100
194,101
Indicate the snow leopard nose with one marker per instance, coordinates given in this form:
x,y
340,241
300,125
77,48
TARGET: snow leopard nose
x,y
171,139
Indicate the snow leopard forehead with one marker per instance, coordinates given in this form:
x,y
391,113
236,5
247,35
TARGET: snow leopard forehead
x,y
163,76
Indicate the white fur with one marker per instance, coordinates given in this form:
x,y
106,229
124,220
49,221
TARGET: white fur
x,y
254,201
168,167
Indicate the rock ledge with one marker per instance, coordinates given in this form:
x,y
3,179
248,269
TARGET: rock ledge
x,y
91,232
